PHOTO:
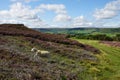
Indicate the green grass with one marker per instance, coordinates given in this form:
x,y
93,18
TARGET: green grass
x,y
109,65
106,68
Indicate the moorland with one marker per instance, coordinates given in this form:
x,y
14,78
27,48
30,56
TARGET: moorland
x,y
70,58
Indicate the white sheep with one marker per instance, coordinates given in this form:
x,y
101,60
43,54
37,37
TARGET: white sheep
x,y
42,53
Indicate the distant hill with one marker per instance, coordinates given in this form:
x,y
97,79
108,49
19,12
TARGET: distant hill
x,y
78,30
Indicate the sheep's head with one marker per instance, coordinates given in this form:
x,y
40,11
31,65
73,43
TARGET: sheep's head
x,y
34,49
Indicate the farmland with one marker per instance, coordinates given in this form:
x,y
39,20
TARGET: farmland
x,y
109,34
109,31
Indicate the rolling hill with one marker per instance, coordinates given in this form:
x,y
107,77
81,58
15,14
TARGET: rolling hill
x,y
68,59
79,30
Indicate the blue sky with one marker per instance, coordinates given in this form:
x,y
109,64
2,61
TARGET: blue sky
x,y
61,13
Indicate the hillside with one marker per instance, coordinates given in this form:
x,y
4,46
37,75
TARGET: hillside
x,y
104,34
35,36
109,65
79,30
68,59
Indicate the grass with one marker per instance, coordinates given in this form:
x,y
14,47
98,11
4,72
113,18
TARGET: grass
x,y
63,65
109,66
106,68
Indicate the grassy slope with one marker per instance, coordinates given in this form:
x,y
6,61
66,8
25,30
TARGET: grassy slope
x,y
65,62
110,60
57,63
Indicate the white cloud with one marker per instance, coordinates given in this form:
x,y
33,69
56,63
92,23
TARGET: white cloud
x,y
9,21
62,18
4,14
68,22
110,10
19,13
26,1
57,8
80,21
106,23
18,10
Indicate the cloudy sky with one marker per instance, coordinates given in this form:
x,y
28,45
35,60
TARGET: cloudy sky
x,y
61,13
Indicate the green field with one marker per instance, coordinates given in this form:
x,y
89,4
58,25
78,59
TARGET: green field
x,y
109,31
109,66
109,34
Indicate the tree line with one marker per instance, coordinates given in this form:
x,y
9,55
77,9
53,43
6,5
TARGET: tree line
x,y
96,37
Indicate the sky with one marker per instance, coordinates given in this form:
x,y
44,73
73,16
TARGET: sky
x,y
61,13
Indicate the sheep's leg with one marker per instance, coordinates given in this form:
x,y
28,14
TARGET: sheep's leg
x,y
35,54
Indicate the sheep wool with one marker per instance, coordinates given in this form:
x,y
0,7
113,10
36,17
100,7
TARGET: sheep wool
x,y
43,53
